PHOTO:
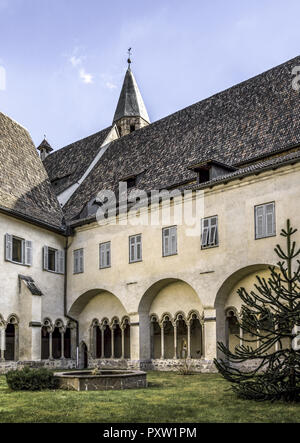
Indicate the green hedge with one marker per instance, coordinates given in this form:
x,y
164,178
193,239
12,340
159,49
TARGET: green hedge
x,y
31,379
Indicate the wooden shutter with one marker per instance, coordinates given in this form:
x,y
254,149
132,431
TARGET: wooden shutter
x,y
270,219
173,240
76,262
8,247
138,244
81,260
27,245
213,231
205,232
107,254
132,249
259,221
60,262
45,258
166,242
102,256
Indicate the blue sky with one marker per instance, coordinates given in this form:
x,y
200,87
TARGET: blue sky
x,y
65,60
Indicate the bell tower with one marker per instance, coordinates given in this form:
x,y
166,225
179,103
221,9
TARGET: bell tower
x,y
131,113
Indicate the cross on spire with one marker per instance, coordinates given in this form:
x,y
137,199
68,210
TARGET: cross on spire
x,y
129,57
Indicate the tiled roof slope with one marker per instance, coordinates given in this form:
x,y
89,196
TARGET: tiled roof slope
x,y
253,118
271,163
68,164
24,184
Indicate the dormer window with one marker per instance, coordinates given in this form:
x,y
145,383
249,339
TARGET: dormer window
x,y
131,182
203,175
132,128
211,169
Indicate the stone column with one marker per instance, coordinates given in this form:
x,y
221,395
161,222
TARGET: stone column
x,y
112,343
175,341
2,343
139,338
241,336
36,341
189,340
102,342
162,335
50,346
62,337
73,343
123,343
210,334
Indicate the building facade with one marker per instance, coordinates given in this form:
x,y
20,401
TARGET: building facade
x,y
200,198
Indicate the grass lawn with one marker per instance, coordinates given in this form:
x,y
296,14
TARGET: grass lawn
x,y
169,398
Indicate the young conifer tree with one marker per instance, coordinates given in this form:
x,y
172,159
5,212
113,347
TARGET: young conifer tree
x,y
271,314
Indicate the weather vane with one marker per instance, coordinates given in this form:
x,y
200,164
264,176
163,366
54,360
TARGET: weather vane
x,y
129,57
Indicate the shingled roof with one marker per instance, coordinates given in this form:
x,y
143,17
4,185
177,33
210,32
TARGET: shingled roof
x,y
25,189
131,103
68,164
254,118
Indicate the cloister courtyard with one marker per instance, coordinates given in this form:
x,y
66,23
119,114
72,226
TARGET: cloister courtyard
x,y
170,398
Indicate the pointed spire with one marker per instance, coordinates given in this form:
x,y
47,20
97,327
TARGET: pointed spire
x,y
44,149
131,103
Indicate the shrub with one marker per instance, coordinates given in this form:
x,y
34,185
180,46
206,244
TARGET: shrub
x,y
31,379
187,368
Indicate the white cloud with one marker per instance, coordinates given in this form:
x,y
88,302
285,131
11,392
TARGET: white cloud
x,y
77,63
110,85
85,77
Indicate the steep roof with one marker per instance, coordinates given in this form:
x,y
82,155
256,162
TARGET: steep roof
x,y
25,188
254,118
131,103
68,164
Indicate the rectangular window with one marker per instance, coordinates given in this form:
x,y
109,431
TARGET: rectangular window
x,y
54,260
209,234
105,255
265,225
78,261
135,248
169,241
18,250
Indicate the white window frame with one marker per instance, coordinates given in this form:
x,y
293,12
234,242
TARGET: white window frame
x,y
78,261
169,242
59,260
210,232
26,250
135,246
261,215
104,248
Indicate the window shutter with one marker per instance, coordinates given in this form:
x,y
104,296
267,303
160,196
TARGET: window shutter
x,y
108,254
60,262
174,240
8,247
45,255
28,253
75,258
270,219
166,245
205,232
81,262
102,256
260,231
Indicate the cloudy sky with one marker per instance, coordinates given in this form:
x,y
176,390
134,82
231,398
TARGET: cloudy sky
x,y
65,60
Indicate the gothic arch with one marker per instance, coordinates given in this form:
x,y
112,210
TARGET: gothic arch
x,y
223,293
81,302
147,308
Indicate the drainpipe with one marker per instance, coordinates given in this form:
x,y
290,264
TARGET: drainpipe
x,y
65,302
